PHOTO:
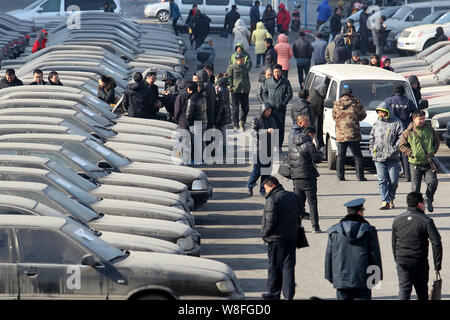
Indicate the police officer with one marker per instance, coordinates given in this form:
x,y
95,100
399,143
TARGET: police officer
x,y
353,258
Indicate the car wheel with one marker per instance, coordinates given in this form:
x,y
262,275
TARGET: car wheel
x,y
163,16
331,157
152,296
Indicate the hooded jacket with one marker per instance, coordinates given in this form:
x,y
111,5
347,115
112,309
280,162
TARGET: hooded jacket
x,y
254,14
247,59
258,37
41,41
440,36
205,51
352,247
5,84
348,112
283,18
230,20
181,105
417,94
341,52
222,111
139,101
324,11
210,96
276,92
385,137
301,106
261,138
268,19
302,155
401,108
107,93
196,109
239,78
284,51
241,33
281,216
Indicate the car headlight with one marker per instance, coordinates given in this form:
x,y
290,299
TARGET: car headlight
x,y
225,286
186,243
435,123
200,184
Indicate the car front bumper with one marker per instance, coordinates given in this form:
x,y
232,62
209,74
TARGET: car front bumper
x,y
408,44
201,196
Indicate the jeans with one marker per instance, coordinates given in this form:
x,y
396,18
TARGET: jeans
x,y
174,25
406,167
281,275
379,50
259,58
413,273
280,120
255,175
239,100
355,148
354,294
419,171
387,173
303,66
307,189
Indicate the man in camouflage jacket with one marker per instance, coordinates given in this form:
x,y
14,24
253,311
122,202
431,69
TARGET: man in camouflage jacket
x,y
348,112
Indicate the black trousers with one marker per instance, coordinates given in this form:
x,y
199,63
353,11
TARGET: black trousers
x,y
354,294
307,189
406,166
281,275
355,147
280,118
239,101
413,274
318,124
417,172
174,25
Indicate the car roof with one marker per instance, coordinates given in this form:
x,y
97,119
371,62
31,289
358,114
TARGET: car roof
x,y
19,185
356,72
31,221
33,119
39,111
65,137
31,171
30,146
36,101
23,159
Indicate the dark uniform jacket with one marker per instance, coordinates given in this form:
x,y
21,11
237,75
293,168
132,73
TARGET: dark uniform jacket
x,y
302,156
301,107
410,233
223,111
277,92
261,138
181,105
139,101
5,84
281,215
402,108
352,247
196,109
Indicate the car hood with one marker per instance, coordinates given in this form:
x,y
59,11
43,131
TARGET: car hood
x,y
144,139
120,146
147,122
139,243
143,129
427,28
145,156
178,173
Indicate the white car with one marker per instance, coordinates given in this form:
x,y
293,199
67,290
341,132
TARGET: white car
x,y
418,38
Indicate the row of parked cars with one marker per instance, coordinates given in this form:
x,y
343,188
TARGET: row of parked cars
x,y
95,204
14,36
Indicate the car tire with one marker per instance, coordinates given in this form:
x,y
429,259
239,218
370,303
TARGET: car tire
x,y
152,296
163,16
331,157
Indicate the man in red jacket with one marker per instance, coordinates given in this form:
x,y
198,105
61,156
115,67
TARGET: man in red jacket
x,y
41,41
283,19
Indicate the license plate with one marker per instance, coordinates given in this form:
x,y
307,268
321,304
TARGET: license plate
x,y
400,44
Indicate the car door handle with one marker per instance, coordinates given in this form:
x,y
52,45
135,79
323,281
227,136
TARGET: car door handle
x,y
31,273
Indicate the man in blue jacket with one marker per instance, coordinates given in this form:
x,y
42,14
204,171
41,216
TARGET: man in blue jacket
x,y
353,257
255,16
174,14
324,11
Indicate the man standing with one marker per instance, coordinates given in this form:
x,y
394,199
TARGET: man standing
x,y
200,28
205,54
255,16
270,58
210,94
240,89
379,35
341,52
324,11
262,129
302,53
415,86
174,14
230,19
181,105
196,117
10,79
138,99
278,91
38,77
280,222
239,49
335,23
403,109
383,145
419,142
410,234
319,46
298,127
301,106
150,80
353,252
316,99
348,112
364,31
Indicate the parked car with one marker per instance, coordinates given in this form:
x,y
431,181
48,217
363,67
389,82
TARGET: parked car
x,y
440,121
48,252
446,135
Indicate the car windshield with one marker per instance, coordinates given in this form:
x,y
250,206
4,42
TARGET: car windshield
x,y
83,163
444,19
75,208
72,189
432,17
75,129
71,176
109,154
373,92
89,88
402,13
102,107
85,236
33,5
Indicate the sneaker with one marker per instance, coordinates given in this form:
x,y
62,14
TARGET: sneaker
x,y
384,205
391,205
317,230
268,296
250,191
306,216
430,205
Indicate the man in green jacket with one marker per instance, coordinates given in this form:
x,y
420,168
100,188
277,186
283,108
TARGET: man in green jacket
x,y
415,138
240,89
239,49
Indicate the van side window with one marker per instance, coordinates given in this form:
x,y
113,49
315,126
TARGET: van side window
x,y
442,8
333,91
5,246
309,79
86,4
317,81
192,1
244,3
217,2
420,13
51,6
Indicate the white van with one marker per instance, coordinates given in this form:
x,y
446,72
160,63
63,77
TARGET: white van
x,y
42,12
215,9
371,85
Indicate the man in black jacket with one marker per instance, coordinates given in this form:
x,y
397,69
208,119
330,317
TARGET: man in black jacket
x,y
410,234
301,106
280,222
210,95
341,52
230,19
138,99
196,117
302,157
353,258
316,99
38,77
270,58
335,23
302,53
364,31
10,79
181,105
200,28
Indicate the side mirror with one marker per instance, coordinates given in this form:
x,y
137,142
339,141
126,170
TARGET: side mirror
x,y
410,18
90,260
328,103
40,10
423,104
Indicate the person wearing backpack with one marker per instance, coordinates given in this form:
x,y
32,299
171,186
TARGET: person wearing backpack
x,y
205,54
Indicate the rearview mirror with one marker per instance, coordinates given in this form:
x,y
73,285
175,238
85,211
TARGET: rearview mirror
x,y
39,10
328,103
90,260
410,18
423,104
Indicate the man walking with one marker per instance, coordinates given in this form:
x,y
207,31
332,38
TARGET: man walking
x,y
348,112
319,46
200,28
205,54
174,14
255,16
302,53
383,145
278,91
364,31
324,11
411,232
240,89
230,19
280,222
197,119
353,251
335,23
420,142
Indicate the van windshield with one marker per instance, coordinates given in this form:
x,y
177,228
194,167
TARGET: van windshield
x,y
373,92
402,13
